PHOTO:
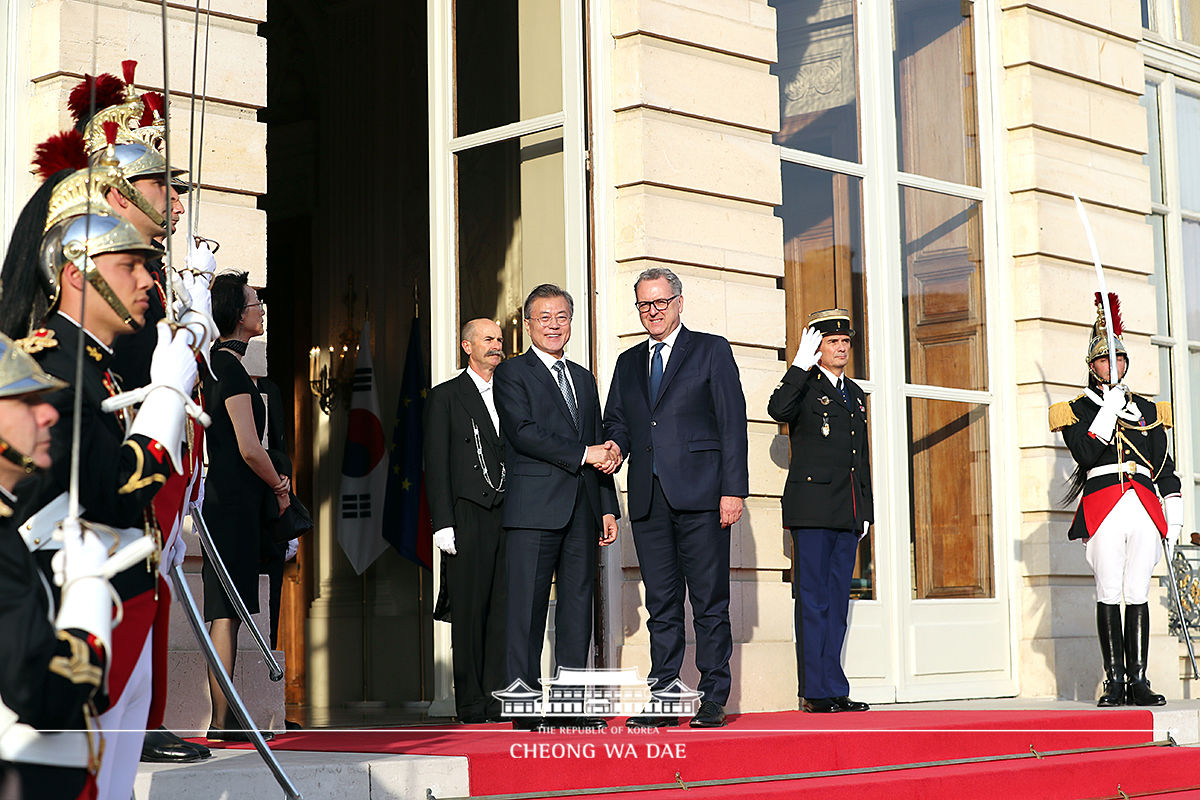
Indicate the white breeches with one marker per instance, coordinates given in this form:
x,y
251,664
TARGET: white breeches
x,y
1123,551
123,727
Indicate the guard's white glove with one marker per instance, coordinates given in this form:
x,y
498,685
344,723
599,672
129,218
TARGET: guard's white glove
x,y
200,260
809,351
292,548
1173,511
172,376
1105,423
86,597
865,530
443,539
177,553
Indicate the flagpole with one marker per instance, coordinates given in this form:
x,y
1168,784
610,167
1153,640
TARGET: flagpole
x,y
420,572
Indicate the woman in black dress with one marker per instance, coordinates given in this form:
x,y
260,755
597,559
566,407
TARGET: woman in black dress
x,y
239,478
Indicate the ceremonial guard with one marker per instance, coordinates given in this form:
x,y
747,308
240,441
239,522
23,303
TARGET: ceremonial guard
x,y
52,675
124,461
1119,443
827,502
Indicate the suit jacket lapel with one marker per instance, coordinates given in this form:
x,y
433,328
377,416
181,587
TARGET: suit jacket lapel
x,y
682,344
472,403
542,374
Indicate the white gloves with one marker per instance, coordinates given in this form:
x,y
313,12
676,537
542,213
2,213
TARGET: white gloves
x,y
1105,423
866,529
194,297
86,596
172,376
292,548
809,351
200,260
1173,511
443,539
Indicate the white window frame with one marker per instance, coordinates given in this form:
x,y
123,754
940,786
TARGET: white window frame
x,y
882,183
443,267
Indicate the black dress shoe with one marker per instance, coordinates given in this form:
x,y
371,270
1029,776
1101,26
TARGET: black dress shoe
x,y
164,747
851,705
215,735
821,705
710,715
651,722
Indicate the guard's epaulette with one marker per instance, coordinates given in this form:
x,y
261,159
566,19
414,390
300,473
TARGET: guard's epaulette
x,y
1062,415
37,341
1165,415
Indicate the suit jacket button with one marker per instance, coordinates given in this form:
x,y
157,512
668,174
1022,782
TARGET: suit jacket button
x,y
653,422
474,466
649,448
485,492
809,479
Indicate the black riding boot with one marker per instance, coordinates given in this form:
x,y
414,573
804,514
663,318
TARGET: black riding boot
x,y
1112,650
1137,646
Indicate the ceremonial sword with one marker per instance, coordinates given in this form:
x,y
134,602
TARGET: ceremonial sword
x,y
235,598
1112,379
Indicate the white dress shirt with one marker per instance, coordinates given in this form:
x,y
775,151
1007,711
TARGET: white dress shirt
x,y
668,346
550,361
489,399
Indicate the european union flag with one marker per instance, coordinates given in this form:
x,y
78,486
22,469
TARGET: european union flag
x,y
406,521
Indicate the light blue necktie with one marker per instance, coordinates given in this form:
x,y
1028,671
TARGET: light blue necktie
x,y
560,370
656,371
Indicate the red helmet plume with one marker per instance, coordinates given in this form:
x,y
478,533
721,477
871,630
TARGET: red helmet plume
x,y
1114,303
62,151
109,90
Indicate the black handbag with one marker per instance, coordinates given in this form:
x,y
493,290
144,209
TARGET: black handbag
x,y
296,520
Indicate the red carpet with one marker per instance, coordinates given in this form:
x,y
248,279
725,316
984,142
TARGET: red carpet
x,y
504,761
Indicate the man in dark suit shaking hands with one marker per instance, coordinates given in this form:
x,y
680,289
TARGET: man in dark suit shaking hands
x,y
466,477
827,501
560,493
677,410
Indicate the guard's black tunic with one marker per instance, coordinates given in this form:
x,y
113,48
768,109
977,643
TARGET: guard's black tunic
x,y
47,677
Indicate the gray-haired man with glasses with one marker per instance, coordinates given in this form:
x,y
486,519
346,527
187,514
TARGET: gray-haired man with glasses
x,y
561,497
677,410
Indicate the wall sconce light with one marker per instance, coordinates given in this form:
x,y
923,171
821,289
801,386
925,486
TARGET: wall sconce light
x,y
331,373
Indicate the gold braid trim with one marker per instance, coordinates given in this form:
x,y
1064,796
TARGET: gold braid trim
x,y
78,667
1154,470
1062,416
136,481
1165,415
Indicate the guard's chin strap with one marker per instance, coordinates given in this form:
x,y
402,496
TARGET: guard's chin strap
x,y
104,290
10,453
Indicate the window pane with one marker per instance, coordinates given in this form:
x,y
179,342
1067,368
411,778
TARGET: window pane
x,y
1153,158
818,80
1147,19
1187,133
950,513
1191,277
823,253
1187,20
1159,279
511,227
943,290
507,62
862,580
1194,380
934,61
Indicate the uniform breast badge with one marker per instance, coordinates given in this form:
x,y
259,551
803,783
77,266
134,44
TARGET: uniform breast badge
x,y
825,427
823,400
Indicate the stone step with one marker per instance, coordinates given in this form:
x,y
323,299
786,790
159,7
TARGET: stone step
x,y
237,774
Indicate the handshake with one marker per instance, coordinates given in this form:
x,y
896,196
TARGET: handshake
x,y
604,457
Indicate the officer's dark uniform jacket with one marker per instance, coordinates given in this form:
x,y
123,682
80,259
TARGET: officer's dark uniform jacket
x,y
119,476
455,463
1139,443
829,477
47,676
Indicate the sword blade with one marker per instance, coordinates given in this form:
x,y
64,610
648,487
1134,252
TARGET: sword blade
x,y
1113,377
218,566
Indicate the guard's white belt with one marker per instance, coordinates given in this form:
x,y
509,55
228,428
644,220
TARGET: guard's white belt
x,y
38,530
1124,468
26,745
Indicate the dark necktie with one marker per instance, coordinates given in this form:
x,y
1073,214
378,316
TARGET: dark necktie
x,y
841,387
560,370
656,371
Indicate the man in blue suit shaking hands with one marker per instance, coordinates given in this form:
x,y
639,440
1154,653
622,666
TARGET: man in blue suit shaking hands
x,y
677,412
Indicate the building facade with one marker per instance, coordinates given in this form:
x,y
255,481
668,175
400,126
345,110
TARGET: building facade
x,y
913,161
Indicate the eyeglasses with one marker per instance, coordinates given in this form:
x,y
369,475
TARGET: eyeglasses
x,y
545,320
259,304
660,304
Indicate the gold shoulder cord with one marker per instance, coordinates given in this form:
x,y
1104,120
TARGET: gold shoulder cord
x,y
1154,470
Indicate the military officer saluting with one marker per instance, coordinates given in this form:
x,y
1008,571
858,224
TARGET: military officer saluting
x,y
1119,443
827,501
